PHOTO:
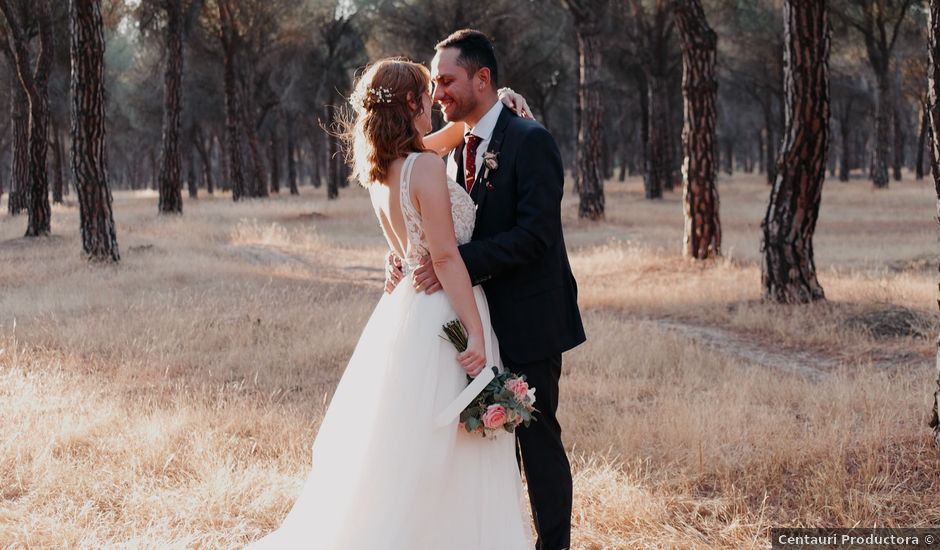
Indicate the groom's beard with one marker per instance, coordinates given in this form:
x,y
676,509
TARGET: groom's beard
x,y
459,112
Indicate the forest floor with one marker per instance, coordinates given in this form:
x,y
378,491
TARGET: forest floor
x,y
170,401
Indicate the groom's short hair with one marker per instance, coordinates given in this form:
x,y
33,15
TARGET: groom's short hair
x,y
476,52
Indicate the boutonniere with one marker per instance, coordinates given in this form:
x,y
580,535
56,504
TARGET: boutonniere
x,y
490,163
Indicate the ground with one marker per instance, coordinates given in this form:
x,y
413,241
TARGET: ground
x,y
171,401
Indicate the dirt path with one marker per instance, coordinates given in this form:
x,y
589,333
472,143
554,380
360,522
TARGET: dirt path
x,y
752,351
737,345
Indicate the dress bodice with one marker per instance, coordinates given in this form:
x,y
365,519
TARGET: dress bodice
x,y
462,207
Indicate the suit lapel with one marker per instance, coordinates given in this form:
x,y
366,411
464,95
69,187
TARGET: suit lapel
x,y
484,179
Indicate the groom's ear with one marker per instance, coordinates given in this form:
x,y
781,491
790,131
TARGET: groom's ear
x,y
486,78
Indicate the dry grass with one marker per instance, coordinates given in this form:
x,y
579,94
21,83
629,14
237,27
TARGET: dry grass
x,y
171,401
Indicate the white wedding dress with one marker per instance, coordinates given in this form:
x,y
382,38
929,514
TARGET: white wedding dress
x,y
384,475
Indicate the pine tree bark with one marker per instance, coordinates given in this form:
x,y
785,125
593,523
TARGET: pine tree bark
x,y
192,183
788,268
332,183
66,174
36,85
233,114
257,184
879,172
899,139
57,181
587,23
702,237
760,151
99,236
933,115
291,161
921,144
845,132
275,161
770,143
199,143
657,148
171,184
19,165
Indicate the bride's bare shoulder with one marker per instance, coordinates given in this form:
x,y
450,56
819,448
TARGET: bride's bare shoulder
x,y
429,169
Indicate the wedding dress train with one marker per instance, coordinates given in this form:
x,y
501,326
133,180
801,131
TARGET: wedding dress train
x,y
386,477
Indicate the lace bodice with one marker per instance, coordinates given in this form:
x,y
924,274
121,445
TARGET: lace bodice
x,y
463,211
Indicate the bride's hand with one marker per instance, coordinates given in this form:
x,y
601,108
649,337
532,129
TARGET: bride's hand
x,y
473,359
515,102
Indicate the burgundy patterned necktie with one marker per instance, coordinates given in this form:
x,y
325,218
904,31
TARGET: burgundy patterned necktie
x,y
470,153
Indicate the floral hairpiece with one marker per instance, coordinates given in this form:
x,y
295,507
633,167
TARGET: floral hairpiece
x,y
372,97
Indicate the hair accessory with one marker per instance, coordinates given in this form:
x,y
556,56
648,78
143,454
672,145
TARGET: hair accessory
x,y
372,97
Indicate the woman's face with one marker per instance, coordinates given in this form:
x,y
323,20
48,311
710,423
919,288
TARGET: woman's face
x,y
423,119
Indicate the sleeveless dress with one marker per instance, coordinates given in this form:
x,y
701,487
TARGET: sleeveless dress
x,y
384,475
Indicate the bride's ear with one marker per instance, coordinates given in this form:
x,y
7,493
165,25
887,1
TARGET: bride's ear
x,y
410,98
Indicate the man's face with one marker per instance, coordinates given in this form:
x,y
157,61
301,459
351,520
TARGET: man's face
x,y
453,87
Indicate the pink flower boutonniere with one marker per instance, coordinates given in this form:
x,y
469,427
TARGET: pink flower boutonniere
x,y
490,163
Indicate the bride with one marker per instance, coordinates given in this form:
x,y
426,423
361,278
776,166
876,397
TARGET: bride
x,y
385,475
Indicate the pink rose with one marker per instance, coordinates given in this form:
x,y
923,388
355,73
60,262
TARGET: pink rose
x,y
518,387
494,417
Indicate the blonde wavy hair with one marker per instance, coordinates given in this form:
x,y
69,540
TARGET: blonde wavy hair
x,y
383,129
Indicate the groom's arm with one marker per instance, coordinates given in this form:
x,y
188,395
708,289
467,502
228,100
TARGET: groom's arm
x,y
539,187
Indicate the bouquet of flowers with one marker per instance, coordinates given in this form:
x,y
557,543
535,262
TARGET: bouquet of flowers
x,y
505,403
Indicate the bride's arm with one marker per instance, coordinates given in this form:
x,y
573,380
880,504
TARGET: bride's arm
x,y
432,199
444,140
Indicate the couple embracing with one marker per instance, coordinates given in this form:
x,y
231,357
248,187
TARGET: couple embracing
x,y
485,227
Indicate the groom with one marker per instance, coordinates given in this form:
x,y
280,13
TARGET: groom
x,y
513,170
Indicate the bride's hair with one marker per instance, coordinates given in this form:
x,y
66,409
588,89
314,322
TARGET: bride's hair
x,y
383,128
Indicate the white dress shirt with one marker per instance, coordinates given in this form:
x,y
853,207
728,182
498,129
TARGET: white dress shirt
x,y
484,130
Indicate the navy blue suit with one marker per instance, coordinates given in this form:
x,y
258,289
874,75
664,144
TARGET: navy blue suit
x,y
518,255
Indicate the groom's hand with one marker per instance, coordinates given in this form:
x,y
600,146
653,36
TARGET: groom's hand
x,y
424,278
393,272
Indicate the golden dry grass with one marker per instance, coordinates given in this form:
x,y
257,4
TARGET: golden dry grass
x,y
170,402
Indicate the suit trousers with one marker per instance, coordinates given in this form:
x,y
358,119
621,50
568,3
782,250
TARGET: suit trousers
x,y
543,458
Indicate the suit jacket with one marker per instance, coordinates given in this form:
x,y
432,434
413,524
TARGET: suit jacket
x,y
518,249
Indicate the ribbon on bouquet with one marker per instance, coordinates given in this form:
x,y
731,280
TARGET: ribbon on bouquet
x,y
452,412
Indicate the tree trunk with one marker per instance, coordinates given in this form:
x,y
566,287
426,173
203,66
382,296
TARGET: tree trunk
x,y
57,181
291,160
170,186
702,238
879,171
921,143
99,238
258,184
19,165
760,152
199,143
36,85
275,161
233,114
770,144
67,177
590,183
315,165
788,270
845,166
899,138
729,157
657,147
332,184
933,114
624,160
332,174
192,183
